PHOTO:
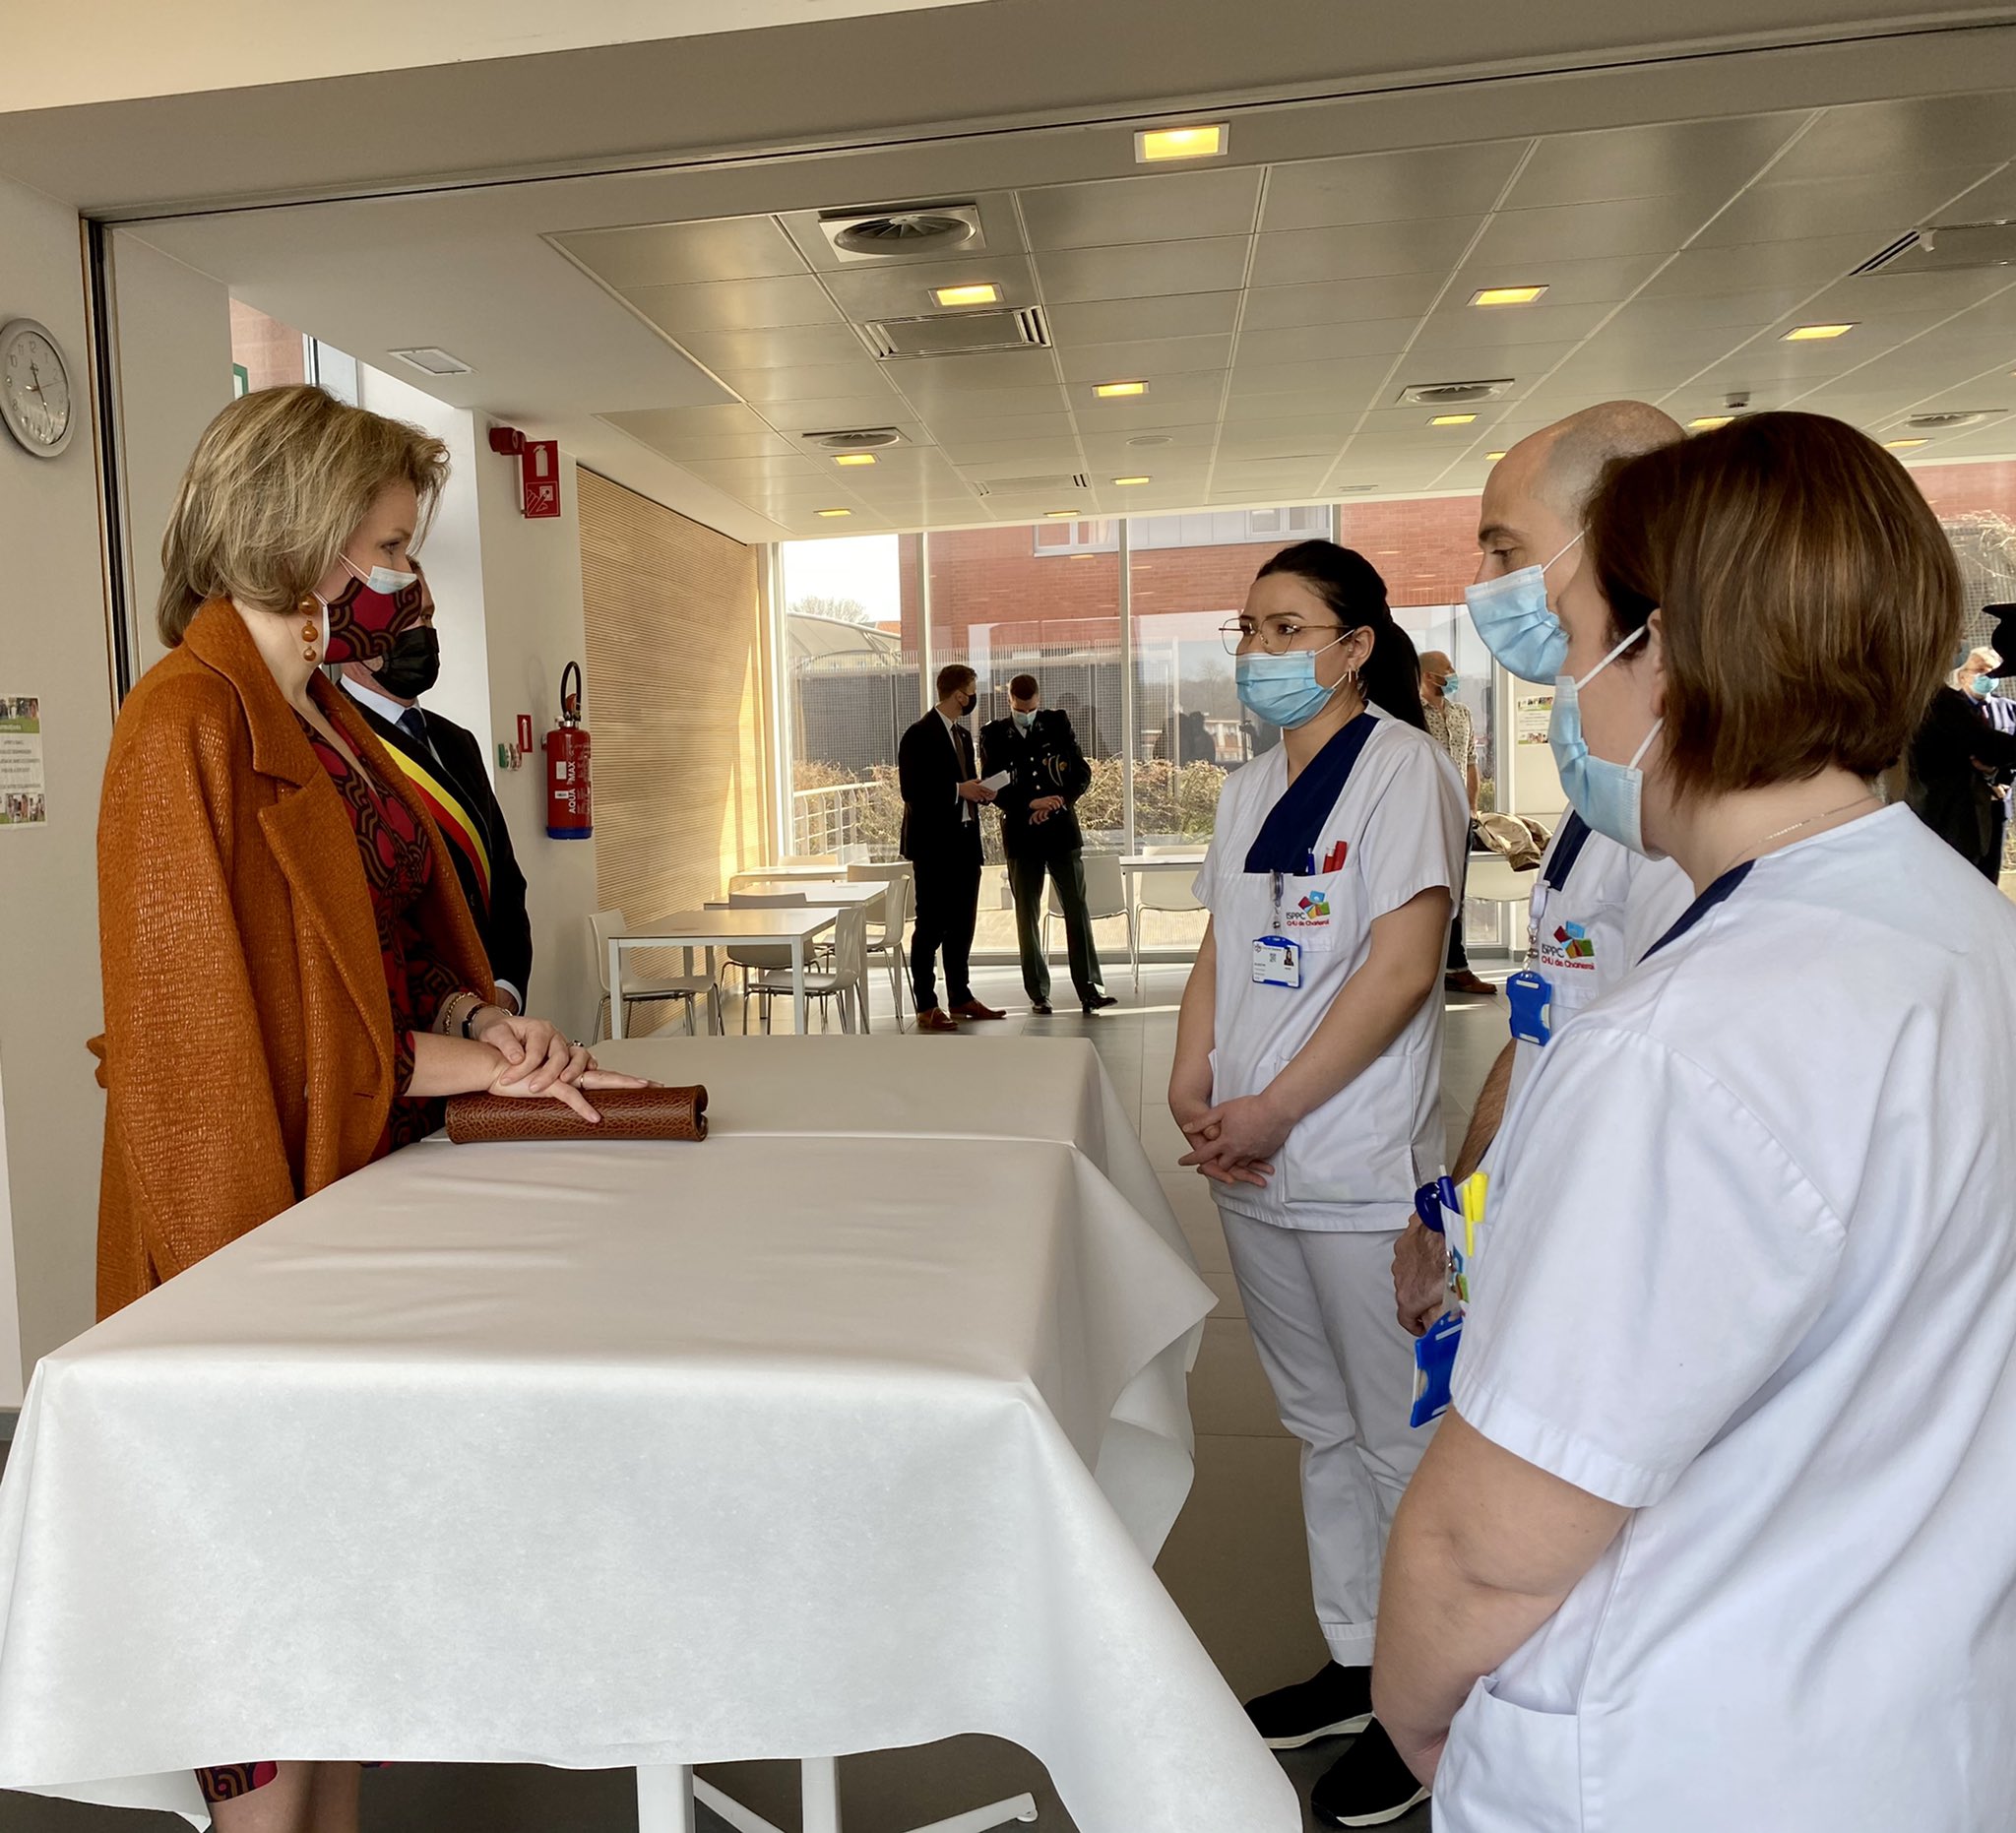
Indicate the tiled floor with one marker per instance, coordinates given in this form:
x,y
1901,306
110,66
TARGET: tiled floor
x,y
1235,1562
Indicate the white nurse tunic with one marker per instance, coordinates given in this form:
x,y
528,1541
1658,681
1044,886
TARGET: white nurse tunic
x,y
1398,828
1749,1270
1586,933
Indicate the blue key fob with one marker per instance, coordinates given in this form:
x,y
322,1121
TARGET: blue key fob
x,y
1530,996
1434,1365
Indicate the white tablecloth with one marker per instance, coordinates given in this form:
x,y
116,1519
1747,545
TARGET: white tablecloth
x,y
637,1454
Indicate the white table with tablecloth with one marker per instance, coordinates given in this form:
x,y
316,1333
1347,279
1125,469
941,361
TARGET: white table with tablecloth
x,y
781,1445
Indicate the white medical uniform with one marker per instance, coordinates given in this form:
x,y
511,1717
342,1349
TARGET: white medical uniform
x,y
1312,1250
1749,1269
1586,933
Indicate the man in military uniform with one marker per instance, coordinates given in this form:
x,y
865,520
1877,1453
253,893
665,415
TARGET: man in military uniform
x,y
1039,833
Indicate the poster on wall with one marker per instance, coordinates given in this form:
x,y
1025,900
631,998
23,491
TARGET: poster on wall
x,y
1531,714
23,799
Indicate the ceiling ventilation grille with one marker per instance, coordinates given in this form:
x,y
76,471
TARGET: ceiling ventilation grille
x,y
1947,422
1944,247
904,231
958,334
1452,394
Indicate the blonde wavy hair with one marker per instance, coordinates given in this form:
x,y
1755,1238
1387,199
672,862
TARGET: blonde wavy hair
x,y
277,487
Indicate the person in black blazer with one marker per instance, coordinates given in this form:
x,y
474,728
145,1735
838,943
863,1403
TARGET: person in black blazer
x,y
941,838
447,767
1039,833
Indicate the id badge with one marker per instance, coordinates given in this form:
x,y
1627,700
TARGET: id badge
x,y
1277,962
1530,996
1434,1365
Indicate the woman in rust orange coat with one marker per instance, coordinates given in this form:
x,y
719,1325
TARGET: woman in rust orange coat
x,y
292,982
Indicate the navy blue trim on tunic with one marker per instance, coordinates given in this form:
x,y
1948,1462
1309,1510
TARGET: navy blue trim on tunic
x,y
1717,893
1288,838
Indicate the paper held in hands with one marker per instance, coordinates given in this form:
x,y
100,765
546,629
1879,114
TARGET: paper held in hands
x,y
998,781
626,1113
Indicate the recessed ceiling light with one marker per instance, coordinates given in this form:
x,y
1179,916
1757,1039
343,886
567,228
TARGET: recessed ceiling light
x,y
1060,515
984,292
1491,457
1133,479
1901,445
856,458
1452,419
1180,143
835,512
1506,296
1110,391
1708,423
1815,334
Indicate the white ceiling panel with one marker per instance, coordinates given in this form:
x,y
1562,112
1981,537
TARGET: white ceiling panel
x,y
956,437
1370,336
935,377
952,407
1362,251
1878,206
1337,303
670,254
789,347
904,289
831,414
1390,187
1898,135
1114,321
1146,361
1681,159
1165,208
1275,407
1519,240
1151,415
1458,323
1142,270
862,377
1350,378
736,305
1755,266
674,444
1611,278
1738,313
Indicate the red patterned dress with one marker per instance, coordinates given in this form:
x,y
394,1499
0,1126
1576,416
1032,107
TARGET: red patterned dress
x,y
398,865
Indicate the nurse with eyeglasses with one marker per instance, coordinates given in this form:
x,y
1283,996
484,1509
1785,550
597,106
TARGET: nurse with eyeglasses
x,y
1307,1082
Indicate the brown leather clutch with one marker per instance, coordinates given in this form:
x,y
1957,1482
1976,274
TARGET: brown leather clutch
x,y
627,1113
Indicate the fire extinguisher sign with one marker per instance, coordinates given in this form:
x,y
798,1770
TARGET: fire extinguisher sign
x,y
541,471
570,796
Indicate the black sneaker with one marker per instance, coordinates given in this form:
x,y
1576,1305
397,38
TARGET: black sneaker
x,y
1367,1786
1099,1001
1331,1704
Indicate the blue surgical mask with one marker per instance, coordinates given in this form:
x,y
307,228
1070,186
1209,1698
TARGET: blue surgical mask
x,y
1981,686
1023,721
1609,796
1450,684
1512,616
1284,690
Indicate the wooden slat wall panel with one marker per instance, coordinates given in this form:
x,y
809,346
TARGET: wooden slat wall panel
x,y
674,704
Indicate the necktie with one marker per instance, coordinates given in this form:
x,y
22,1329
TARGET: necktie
x,y
962,743
414,723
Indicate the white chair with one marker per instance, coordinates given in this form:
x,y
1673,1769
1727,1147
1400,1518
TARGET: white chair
x,y
758,959
639,988
810,858
1105,895
886,942
846,981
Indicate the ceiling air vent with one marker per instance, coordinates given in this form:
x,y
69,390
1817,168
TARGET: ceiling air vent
x,y
1945,247
433,360
1355,489
1452,394
1946,423
958,334
899,231
859,439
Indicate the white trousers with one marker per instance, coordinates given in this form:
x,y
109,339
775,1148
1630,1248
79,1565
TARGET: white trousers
x,y
1320,1307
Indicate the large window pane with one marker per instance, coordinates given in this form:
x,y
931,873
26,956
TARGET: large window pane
x,y
1042,601
851,666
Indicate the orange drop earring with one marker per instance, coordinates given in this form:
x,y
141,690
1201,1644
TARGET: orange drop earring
x,y
311,629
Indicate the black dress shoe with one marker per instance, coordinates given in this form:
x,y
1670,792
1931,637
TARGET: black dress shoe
x,y
1040,1007
1332,1703
1369,1786
1099,1001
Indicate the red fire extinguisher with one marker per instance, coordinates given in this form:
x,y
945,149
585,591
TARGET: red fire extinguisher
x,y
570,798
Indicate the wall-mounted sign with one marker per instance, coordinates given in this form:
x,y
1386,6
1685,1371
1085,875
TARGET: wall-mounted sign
x,y
23,789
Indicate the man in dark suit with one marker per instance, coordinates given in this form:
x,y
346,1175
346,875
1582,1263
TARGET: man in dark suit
x,y
942,795
448,768
1039,833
